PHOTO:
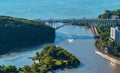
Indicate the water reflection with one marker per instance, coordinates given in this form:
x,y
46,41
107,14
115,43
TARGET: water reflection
x,y
81,65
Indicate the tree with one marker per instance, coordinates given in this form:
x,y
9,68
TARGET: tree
x,y
35,68
11,69
26,68
37,54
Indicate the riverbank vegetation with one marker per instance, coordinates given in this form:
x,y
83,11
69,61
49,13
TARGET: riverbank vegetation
x,y
50,59
8,69
21,33
104,41
108,14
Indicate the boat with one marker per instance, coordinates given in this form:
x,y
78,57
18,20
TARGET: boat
x,y
70,40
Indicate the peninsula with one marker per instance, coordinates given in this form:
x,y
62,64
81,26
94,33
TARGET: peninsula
x,y
49,59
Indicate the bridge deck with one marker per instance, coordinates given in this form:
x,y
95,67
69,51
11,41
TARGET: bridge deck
x,y
79,20
103,22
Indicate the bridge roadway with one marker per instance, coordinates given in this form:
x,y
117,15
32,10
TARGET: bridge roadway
x,y
103,22
90,21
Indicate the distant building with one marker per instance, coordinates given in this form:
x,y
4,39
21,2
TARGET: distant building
x,y
114,17
36,61
115,34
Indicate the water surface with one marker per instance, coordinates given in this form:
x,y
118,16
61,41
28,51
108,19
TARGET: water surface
x,y
82,46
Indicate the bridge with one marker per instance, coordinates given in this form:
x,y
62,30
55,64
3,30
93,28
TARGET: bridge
x,y
103,22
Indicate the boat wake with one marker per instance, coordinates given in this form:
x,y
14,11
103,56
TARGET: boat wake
x,y
10,60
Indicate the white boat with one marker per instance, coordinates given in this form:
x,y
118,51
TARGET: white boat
x,y
70,40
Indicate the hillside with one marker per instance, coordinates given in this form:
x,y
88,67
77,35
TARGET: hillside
x,y
21,33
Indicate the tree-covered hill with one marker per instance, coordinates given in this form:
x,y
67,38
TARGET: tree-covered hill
x,y
108,14
20,33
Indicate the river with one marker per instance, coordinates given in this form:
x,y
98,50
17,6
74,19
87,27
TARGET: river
x,y
77,40
82,46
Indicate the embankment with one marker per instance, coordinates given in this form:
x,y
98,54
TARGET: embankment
x,y
112,59
101,53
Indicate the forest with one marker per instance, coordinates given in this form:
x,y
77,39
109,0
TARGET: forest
x,y
22,33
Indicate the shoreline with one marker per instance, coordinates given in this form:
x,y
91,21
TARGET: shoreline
x,y
107,56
